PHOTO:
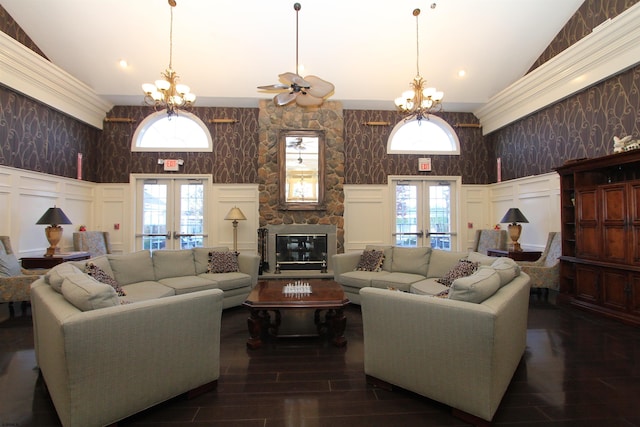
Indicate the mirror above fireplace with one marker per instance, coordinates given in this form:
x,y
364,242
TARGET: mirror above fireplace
x,y
301,167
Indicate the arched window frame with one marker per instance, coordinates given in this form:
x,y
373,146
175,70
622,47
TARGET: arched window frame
x,y
153,119
440,124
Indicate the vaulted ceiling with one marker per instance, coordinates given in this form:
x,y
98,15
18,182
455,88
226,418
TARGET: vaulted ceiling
x,y
224,49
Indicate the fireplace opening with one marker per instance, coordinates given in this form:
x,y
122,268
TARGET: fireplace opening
x,y
301,251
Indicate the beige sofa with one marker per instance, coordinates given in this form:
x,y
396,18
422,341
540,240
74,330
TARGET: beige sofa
x,y
106,357
461,349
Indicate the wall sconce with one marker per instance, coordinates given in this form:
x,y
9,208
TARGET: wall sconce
x,y
53,216
235,215
514,216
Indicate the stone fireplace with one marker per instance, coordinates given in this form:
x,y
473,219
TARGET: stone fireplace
x,y
278,221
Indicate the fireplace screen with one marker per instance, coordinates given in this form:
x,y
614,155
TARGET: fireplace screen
x,y
301,251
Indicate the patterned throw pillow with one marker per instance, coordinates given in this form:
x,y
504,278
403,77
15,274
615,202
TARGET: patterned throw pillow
x,y
370,261
102,276
223,262
463,268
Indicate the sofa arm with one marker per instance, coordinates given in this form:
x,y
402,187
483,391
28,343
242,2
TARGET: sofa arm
x,y
458,353
342,263
249,264
104,365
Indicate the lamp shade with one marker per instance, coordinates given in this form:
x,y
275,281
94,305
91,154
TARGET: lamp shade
x,y
513,216
235,214
54,216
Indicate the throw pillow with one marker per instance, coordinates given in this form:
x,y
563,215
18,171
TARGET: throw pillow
x,y
103,277
9,265
463,268
223,262
370,261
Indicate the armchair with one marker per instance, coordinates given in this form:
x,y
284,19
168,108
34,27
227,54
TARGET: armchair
x,y
95,242
545,272
15,282
490,239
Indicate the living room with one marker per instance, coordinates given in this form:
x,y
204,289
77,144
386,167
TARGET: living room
x,y
42,140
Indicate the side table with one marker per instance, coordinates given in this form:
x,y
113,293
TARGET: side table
x,y
47,262
516,255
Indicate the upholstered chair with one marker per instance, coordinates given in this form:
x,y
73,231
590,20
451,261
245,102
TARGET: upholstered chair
x,y
95,242
490,239
15,282
545,272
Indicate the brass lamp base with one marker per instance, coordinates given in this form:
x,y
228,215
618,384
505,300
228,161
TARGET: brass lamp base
x,y
54,234
514,234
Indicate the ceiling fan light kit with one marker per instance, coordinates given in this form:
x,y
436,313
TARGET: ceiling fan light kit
x,y
166,92
420,101
307,92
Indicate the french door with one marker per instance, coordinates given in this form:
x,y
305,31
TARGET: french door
x,y
170,213
425,213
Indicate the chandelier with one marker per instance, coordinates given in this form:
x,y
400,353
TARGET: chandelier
x,y
166,92
419,101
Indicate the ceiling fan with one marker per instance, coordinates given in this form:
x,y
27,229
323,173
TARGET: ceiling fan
x,y
307,91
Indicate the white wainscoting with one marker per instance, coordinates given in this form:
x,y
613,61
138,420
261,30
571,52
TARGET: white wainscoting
x,y
226,196
367,216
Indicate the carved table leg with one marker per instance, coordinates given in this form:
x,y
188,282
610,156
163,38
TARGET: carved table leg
x,y
337,323
255,322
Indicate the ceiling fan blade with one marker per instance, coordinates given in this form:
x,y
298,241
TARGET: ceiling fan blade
x,y
287,77
285,98
306,100
319,88
277,86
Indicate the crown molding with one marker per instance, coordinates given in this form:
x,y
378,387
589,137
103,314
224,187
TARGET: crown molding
x,y
611,48
27,72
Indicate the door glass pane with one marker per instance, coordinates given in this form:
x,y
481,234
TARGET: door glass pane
x,y
191,215
406,215
154,218
440,216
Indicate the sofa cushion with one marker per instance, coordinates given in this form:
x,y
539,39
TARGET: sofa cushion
x,y
133,267
370,260
147,290
86,293
201,257
481,258
9,265
462,269
477,287
186,284
411,260
388,254
223,262
441,262
177,263
103,277
396,280
506,268
428,287
56,275
360,279
228,281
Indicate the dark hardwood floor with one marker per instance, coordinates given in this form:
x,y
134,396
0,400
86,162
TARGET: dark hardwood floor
x,y
578,370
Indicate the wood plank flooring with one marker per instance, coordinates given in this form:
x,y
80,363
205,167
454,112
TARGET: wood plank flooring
x,y
578,370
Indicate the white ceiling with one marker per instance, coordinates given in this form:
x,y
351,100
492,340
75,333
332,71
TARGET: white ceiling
x,y
224,49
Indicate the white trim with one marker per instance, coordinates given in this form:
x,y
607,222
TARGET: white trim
x,y
29,73
610,48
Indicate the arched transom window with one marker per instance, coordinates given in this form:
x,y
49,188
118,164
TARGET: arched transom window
x,y
430,135
179,133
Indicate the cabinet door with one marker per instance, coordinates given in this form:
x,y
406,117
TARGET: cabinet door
x,y
614,289
634,222
588,244
613,224
587,283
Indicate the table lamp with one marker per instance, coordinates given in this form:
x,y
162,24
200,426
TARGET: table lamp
x,y
235,215
513,217
53,217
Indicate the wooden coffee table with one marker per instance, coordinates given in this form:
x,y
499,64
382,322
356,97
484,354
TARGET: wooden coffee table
x,y
268,296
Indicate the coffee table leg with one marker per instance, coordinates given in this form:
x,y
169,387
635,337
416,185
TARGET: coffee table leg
x,y
338,323
255,323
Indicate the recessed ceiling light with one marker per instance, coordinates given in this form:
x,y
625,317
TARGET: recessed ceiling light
x,y
462,73
123,63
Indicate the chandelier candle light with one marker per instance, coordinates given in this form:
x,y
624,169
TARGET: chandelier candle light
x,y
166,92
420,101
